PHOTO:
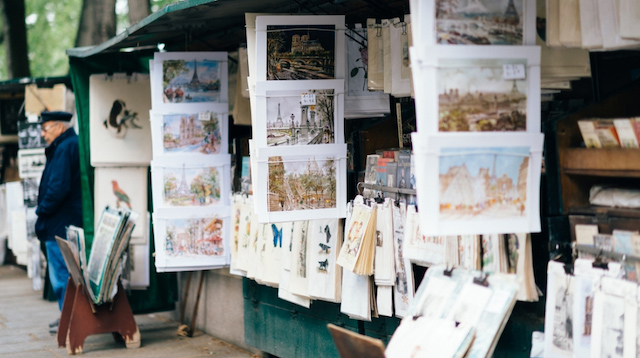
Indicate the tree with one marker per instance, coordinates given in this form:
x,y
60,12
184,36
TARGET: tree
x,y
97,22
15,38
138,10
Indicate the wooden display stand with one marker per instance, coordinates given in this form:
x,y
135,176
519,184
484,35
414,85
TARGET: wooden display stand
x,y
80,319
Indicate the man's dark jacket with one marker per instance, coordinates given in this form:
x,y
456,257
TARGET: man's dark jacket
x,y
60,196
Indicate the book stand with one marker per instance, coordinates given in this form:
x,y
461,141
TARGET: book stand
x,y
80,318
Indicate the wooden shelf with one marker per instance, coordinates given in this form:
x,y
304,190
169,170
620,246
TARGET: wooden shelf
x,y
603,162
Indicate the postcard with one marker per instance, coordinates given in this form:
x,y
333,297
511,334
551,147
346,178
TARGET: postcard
x,y
300,48
484,183
122,188
189,80
31,162
478,22
192,241
306,185
190,132
489,89
120,131
299,113
192,185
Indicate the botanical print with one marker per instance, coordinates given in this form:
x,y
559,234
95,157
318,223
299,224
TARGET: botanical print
x,y
479,22
289,122
191,186
300,52
191,81
301,184
194,237
483,183
185,133
358,62
474,97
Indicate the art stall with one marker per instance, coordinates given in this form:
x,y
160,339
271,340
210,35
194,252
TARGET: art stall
x,y
378,177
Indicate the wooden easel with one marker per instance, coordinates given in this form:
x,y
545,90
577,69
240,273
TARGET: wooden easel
x,y
191,328
80,318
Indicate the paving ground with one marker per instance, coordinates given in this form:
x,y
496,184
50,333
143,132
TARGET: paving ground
x,y
24,331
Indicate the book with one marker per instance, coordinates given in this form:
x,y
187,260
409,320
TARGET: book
x,y
626,134
358,250
370,174
404,170
392,171
589,135
391,154
635,124
607,134
381,176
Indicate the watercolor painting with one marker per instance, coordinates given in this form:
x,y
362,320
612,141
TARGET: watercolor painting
x,y
302,184
358,62
479,22
191,186
300,52
483,183
194,237
191,81
185,133
473,96
289,122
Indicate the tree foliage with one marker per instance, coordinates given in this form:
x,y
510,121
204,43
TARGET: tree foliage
x,y
52,28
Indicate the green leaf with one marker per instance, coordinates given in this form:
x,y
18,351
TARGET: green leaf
x,y
354,72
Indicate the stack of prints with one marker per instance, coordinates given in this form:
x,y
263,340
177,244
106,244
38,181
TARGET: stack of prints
x,y
190,171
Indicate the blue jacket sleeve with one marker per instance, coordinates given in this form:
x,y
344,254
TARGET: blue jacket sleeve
x,y
59,184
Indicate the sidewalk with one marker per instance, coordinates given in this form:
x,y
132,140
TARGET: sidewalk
x,y
24,330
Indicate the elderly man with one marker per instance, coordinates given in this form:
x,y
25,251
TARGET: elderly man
x,y
59,197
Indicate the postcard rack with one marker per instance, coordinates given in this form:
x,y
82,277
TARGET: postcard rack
x,y
610,254
387,189
80,318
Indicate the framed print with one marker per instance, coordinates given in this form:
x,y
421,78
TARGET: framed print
x,y
307,184
478,22
189,80
190,132
304,47
119,127
29,135
359,101
31,162
122,188
192,241
299,113
190,186
487,89
470,184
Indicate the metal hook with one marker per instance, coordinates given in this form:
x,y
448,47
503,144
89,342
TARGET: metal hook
x,y
359,187
404,28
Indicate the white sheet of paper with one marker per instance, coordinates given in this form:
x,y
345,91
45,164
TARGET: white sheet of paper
x,y
384,301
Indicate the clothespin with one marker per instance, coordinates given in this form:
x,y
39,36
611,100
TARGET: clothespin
x,y
448,271
568,268
482,280
598,263
378,27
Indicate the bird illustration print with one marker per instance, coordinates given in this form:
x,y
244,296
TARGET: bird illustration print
x,y
121,196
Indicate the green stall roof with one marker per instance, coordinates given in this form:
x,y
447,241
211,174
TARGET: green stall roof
x,y
205,25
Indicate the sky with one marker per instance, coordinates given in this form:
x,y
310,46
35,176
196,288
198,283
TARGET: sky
x,y
508,163
207,71
298,164
464,75
288,105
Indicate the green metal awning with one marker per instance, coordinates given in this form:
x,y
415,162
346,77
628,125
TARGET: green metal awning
x,y
205,25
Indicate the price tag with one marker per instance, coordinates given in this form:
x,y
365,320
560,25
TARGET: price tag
x,y
515,71
308,99
204,116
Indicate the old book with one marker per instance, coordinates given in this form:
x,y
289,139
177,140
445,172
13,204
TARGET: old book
x,y
606,131
570,34
392,172
635,123
404,170
358,250
589,135
626,134
381,176
370,174
585,233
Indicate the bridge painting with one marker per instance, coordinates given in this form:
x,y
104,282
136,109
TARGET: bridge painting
x,y
290,123
296,52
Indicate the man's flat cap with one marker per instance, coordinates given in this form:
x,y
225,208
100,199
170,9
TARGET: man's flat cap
x,y
55,116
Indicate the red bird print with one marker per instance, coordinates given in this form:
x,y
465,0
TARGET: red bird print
x,y
120,194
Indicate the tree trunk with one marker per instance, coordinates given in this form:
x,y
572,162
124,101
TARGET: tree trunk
x,y
15,38
97,22
138,10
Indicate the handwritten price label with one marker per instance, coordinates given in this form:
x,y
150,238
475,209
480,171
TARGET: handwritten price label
x,y
514,71
204,116
308,99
